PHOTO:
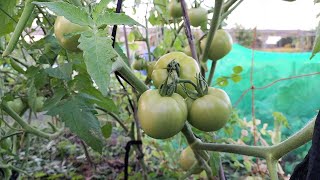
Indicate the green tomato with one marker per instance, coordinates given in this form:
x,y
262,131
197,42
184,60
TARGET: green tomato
x,y
62,27
175,9
161,117
198,16
150,66
17,105
39,103
210,112
188,70
6,144
220,46
187,159
139,64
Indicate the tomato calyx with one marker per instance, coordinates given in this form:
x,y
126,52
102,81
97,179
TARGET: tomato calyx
x,y
201,87
170,84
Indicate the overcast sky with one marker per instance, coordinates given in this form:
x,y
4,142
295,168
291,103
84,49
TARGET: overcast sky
x,y
276,14
263,14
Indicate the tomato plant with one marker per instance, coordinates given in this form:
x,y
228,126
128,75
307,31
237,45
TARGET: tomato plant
x,y
63,27
210,112
139,64
166,117
175,9
188,69
17,105
220,46
187,159
198,16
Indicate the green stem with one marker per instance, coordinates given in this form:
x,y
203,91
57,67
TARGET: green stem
x,y
213,27
211,74
25,125
176,34
27,11
147,39
298,139
114,117
226,14
272,168
120,66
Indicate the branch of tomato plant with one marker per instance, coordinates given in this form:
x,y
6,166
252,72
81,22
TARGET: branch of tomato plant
x,y
226,14
115,117
272,168
227,5
9,166
188,31
190,171
26,13
28,128
176,34
213,28
203,164
147,35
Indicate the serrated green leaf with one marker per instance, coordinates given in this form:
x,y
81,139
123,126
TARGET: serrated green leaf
x,y
98,54
7,10
106,130
77,115
120,52
73,13
237,69
215,163
236,78
52,102
108,18
99,8
63,71
32,94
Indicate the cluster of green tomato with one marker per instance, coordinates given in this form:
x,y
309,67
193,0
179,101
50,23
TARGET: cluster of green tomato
x,y
162,117
17,105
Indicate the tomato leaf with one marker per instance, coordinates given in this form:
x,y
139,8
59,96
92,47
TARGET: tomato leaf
x,y
215,163
56,98
222,81
121,53
106,130
73,13
99,8
78,116
32,94
7,24
98,54
63,71
108,18
316,44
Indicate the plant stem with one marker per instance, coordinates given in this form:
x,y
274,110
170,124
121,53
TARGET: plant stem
x,y
211,74
188,31
301,137
126,43
26,13
176,34
115,117
272,168
225,14
213,27
147,38
28,128
126,72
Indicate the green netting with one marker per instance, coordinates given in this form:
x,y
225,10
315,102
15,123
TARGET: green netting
x,y
298,99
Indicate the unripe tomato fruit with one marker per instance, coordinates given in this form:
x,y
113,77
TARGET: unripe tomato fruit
x,y
139,64
175,9
220,46
188,70
6,144
210,112
62,26
150,66
197,16
16,105
39,104
187,159
161,117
